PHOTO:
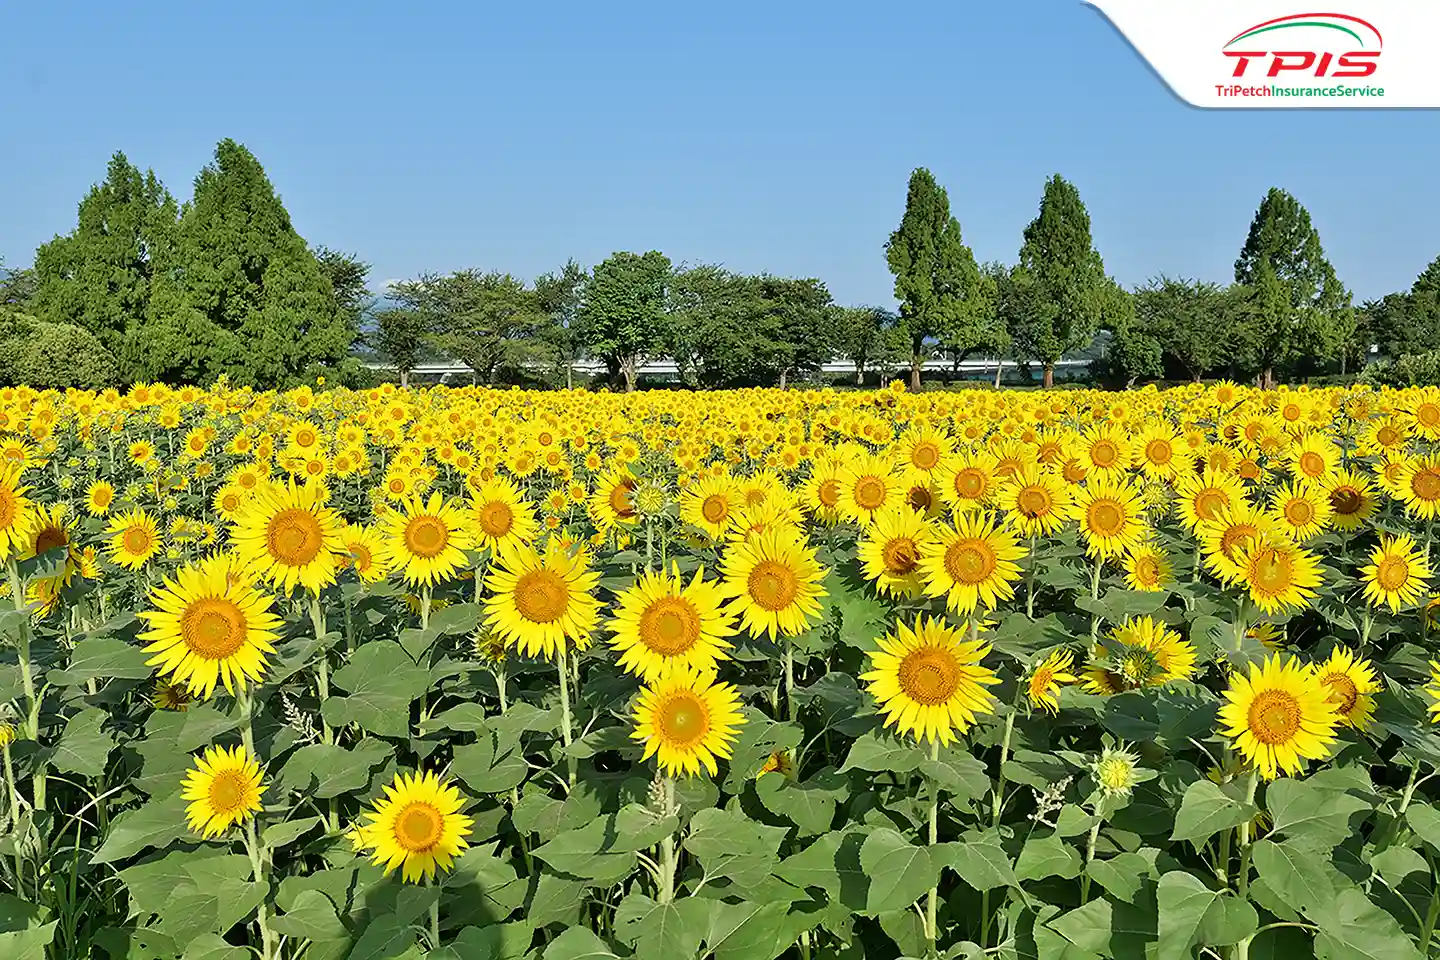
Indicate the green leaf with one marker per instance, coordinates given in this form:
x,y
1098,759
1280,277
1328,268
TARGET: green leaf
x,y
587,853
1425,821
312,917
729,844
1122,875
279,834
156,823
28,944
1191,914
1047,856
84,746
1356,929
381,681
900,872
655,930
488,766
738,931
818,865
759,737
482,889
879,752
326,770
102,658
212,946
191,892
979,860
1132,716
1206,810
1308,813
497,941
961,775
1300,877
578,943
809,805
384,938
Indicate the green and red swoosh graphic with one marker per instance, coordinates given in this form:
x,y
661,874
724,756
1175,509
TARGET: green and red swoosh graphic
x,y
1343,22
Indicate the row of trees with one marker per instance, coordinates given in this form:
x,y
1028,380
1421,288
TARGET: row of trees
x,y
146,288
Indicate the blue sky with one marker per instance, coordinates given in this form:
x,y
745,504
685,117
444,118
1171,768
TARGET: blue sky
x,y
764,136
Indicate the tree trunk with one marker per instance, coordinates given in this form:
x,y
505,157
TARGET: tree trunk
x,y
859,373
784,375
1049,379
999,370
569,373
629,369
404,378
916,360
1267,378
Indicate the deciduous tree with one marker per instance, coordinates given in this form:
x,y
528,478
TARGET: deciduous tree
x,y
622,314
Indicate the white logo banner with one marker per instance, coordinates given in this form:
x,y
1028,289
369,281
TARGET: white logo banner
x,y
1238,54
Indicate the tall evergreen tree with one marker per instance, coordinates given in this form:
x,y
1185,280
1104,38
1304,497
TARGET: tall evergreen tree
x,y
1283,240
1057,289
623,313
936,280
244,295
100,276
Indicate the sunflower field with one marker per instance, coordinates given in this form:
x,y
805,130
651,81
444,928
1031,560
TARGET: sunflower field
x,y
491,674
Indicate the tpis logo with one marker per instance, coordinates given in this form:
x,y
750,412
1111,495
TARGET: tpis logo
x,y
1324,45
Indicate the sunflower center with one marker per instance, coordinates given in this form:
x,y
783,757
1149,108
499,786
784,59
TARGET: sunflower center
x,y
136,540
541,596
213,628
1343,692
1428,414
925,456
50,538
969,561
828,493
102,497
1115,773
1158,452
1392,573
1034,501
1312,464
1274,717
227,792
620,500
1209,502
670,626
1346,500
1426,485
919,498
294,537
772,585
970,483
418,826
426,536
1234,536
1040,679
1104,454
361,556
900,555
715,508
1299,512
683,720
1105,518
1387,436
929,676
1271,571
496,518
1147,571
869,493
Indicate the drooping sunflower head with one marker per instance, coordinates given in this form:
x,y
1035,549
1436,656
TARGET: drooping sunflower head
x,y
929,680
417,826
687,721
1279,716
662,623
223,789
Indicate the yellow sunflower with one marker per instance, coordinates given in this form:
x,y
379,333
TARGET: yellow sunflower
x,y
613,503
773,579
972,563
929,681
866,485
1352,684
1313,458
1112,515
1278,574
1147,653
890,548
687,721
133,538
364,553
1037,501
223,789
289,536
1044,683
1352,499
210,627
98,498
500,515
822,492
1419,486
426,542
1432,690
1301,510
1202,497
662,623
417,826
1148,567
1397,573
15,509
541,601
968,480
1226,534
1279,716
708,504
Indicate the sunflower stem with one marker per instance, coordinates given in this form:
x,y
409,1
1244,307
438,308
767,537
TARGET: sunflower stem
x,y
999,797
1242,879
649,544
247,730
667,847
14,794
1089,856
1095,595
257,867
562,661
22,646
1030,581
932,904
1409,793
1241,627
789,678
434,914
322,665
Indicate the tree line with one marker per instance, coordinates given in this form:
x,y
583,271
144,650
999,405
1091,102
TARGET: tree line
x,y
148,288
